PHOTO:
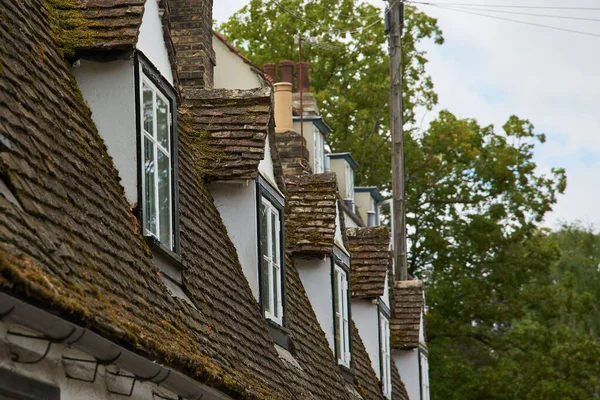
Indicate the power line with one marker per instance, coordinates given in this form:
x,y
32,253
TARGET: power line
x,y
505,6
525,13
511,20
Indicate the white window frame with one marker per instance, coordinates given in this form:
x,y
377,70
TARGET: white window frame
x,y
349,181
386,368
274,312
341,316
318,151
144,80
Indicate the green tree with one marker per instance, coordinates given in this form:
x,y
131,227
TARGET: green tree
x,y
349,67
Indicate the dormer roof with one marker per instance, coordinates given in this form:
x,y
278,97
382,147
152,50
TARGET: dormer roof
x,y
231,128
369,250
407,312
311,213
345,156
372,190
90,26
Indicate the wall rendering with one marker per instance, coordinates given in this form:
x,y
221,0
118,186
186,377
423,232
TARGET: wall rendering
x,y
108,89
152,42
236,203
407,362
364,315
316,279
231,72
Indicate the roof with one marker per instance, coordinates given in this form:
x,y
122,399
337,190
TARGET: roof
x,y
89,26
70,245
407,312
289,148
398,389
369,249
373,190
311,213
365,379
346,156
231,128
318,121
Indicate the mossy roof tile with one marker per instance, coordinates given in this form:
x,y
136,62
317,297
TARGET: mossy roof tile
x,y
370,259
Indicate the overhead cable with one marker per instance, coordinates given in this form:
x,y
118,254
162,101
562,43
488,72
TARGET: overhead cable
x,y
461,10
526,14
504,6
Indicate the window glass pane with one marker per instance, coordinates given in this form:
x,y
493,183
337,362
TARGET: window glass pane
x,y
164,198
148,109
338,336
149,207
275,291
264,229
336,290
266,296
162,123
274,238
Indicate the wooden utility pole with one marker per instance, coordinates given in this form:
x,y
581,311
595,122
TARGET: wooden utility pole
x,y
395,19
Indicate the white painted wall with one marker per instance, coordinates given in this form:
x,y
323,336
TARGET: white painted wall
x,y
316,279
308,136
338,239
265,166
108,89
407,362
386,291
349,221
364,315
236,203
51,370
231,72
151,41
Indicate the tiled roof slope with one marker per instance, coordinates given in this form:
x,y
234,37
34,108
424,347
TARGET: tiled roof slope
x,y
366,381
232,127
89,26
71,247
321,378
311,213
398,388
369,248
406,314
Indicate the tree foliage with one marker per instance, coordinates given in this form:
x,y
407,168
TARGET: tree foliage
x,y
349,67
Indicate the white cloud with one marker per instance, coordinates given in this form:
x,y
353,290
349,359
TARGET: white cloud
x,y
490,69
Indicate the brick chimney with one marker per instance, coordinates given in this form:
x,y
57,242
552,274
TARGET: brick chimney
x,y
286,71
303,77
270,72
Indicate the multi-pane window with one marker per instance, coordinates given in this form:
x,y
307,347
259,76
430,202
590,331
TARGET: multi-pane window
x,y
386,374
270,268
156,163
349,182
340,303
318,153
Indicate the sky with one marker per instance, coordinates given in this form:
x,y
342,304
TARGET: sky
x,y
490,69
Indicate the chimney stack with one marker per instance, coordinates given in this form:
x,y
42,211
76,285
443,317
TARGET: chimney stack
x,y
283,107
303,75
271,72
286,71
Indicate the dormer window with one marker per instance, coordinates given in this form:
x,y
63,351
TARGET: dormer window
x,y
157,158
340,305
318,151
349,183
271,256
384,340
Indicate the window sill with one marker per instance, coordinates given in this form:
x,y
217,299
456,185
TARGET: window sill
x,y
280,335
